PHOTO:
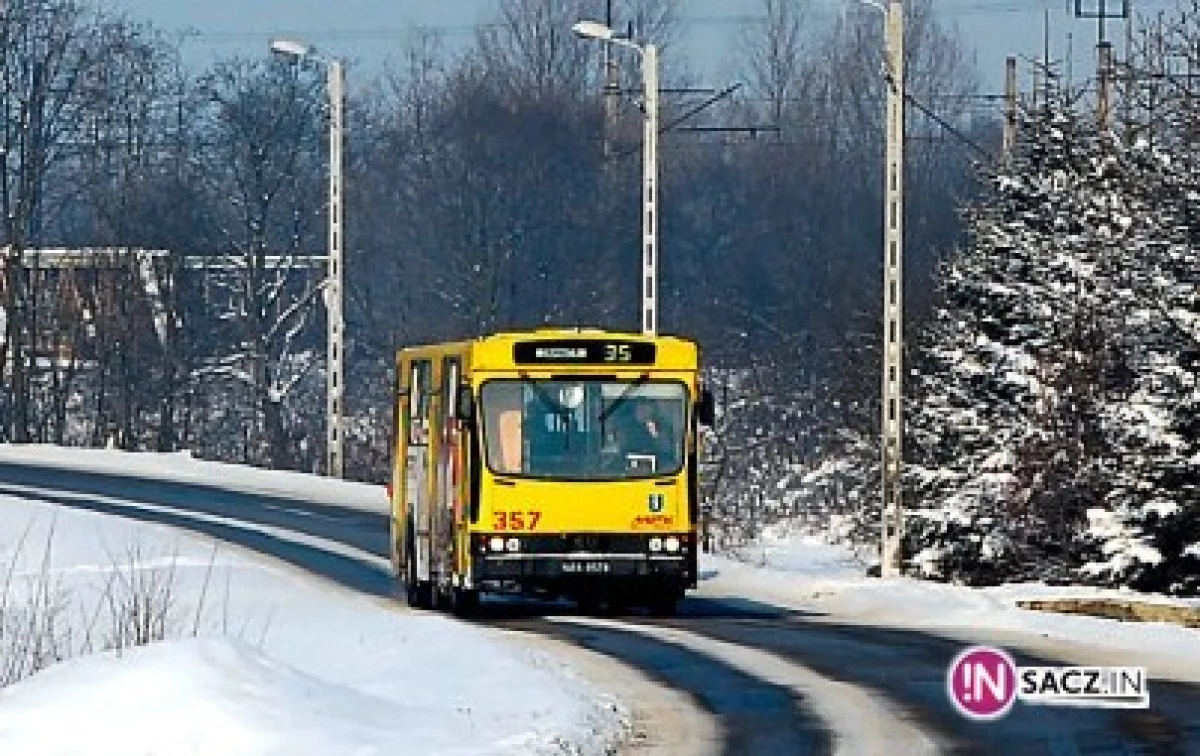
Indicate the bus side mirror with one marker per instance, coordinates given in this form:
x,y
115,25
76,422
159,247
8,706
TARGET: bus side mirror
x,y
706,408
465,405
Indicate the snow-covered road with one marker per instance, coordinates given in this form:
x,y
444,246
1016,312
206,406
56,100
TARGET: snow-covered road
x,y
748,667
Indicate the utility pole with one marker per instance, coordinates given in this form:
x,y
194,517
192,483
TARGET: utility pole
x,y
612,90
1130,82
1101,11
334,391
650,194
892,409
1010,104
648,283
333,293
1069,64
1046,57
1104,95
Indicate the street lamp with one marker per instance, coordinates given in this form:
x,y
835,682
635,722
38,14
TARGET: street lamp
x,y
333,284
892,404
649,55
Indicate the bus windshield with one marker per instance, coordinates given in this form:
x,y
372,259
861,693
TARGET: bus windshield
x,y
584,430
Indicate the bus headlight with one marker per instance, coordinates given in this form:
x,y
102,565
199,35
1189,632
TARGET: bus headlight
x,y
671,544
656,544
496,544
513,544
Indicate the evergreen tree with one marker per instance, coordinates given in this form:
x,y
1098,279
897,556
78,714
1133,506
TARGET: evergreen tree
x,y
1149,530
1009,433
1056,430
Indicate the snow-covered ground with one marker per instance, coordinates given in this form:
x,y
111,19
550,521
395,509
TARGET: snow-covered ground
x,y
805,572
263,659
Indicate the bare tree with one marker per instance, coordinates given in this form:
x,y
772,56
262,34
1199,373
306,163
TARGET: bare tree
x,y
48,48
264,164
775,57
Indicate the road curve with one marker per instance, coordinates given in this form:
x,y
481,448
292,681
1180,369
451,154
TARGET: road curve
x,y
774,681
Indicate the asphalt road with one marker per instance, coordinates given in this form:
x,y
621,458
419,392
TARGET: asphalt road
x,y
774,681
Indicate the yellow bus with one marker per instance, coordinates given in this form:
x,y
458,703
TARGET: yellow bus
x,y
555,463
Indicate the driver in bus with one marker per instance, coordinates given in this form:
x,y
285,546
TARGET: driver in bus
x,y
645,435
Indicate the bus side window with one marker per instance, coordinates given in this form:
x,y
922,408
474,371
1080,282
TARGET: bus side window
x,y
510,440
397,402
450,380
418,404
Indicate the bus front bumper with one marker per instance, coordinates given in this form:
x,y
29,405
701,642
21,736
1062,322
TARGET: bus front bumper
x,y
565,567
572,562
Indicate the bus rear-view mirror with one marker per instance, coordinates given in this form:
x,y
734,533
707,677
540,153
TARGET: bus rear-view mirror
x,y
706,408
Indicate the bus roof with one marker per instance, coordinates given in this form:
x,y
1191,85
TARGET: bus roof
x,y
570,347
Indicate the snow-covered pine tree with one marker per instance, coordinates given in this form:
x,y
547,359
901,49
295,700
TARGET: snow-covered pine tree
x,y
1007,438
1149,531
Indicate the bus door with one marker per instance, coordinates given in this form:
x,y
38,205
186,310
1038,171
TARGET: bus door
x,y
416,494
446,516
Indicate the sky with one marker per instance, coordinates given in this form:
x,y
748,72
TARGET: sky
x,y
367,31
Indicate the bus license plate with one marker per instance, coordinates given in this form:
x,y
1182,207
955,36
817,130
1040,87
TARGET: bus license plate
x,y
587,568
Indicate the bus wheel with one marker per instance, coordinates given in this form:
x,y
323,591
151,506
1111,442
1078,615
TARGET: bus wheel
x,y
588,603
663,603
619,603
418,594
465,601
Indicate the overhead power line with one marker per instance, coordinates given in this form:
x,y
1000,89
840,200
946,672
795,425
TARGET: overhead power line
x,y
943,8
949,127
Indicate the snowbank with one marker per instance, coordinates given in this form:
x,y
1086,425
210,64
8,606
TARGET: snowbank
x,y
195,696
277,663
183,467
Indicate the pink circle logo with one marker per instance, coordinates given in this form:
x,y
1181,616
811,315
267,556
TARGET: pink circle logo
x,y
982,682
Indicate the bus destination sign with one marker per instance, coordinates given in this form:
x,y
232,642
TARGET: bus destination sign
x,y
583,352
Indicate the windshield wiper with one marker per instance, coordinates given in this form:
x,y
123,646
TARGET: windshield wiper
x,y
555,407
621,397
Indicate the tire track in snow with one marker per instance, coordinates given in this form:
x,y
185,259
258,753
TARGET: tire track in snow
x,y
858,721
909,667
755,717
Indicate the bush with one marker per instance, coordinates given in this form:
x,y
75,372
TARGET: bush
x,y
43,622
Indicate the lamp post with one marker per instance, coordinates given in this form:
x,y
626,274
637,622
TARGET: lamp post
x,y
649,56
333,285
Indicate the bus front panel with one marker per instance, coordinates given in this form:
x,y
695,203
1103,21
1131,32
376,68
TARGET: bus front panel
x,y
585,481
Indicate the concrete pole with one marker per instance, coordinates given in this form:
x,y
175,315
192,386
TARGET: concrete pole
x,y
611,92
893,289
649,281
1130,81
1104,76
333,290
1010,105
